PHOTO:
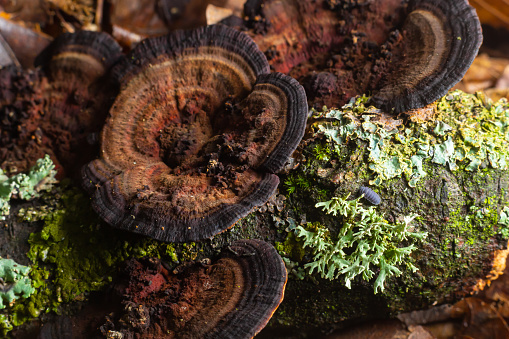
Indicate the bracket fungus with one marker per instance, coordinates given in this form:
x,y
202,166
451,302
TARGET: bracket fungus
x,y
407,53
441,40
232,298
53,109
195,135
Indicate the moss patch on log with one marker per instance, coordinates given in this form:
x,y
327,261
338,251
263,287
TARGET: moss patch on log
x,y
458,185
75,254
461,209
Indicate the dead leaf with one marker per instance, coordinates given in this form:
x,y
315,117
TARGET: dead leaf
x,y
492,12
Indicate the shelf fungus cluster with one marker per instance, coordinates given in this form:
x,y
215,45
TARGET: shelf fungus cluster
x,y
407,53
194,136
440,42
53,109
232,298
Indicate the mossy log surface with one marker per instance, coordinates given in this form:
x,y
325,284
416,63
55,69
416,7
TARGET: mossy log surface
x,y
72,253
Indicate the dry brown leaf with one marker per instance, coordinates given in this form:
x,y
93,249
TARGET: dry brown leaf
x,y
215,14
492,12
484,73
497,94
26,43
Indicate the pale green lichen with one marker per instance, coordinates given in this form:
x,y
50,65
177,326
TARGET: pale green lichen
x,y
504,222
41,177
14,282
468,129
365,240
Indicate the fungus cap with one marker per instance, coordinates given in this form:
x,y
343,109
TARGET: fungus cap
x,y
255,268
233,297
441,40
195,135
84,54
51,110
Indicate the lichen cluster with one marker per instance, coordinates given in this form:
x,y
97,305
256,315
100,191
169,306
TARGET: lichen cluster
x,y
75,254
15,285
468,129
504,222
365,240
461,210
14,282
26,186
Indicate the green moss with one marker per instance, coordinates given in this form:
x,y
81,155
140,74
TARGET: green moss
x,y
75,253
291,248
5,324
468,129
304,185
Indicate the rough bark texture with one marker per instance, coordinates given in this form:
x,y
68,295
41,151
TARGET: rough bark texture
x,y
459,209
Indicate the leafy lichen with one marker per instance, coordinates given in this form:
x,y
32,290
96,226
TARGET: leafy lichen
x,y
14,282
504,222
26,186
365,240
15,285
467,128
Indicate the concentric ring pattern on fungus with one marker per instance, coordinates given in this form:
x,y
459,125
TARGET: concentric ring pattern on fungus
x,y
195,135
234,297
442,39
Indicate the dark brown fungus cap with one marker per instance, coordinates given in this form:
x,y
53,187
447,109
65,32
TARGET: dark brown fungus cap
x,y
194,136
232,298
85,55
441,40
53,110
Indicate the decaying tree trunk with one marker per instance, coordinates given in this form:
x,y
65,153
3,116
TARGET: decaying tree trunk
x,y
446,163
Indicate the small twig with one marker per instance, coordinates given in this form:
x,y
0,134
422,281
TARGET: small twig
x,y
240,254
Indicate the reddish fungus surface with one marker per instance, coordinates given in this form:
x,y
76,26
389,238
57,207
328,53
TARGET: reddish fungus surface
x,y
331,49
232,298
194,136
440,42
408,53
54,108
